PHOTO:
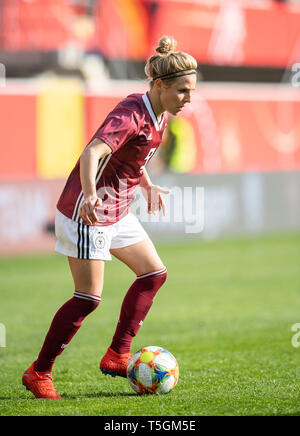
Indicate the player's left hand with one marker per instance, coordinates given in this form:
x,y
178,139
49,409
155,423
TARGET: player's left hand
x,y
152,194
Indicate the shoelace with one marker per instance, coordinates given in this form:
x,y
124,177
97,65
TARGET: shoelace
x,y
45,377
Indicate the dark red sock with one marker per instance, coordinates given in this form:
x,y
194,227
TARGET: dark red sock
x,y
65,324
135,306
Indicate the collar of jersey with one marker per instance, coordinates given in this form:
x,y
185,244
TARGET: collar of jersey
x,y
148,105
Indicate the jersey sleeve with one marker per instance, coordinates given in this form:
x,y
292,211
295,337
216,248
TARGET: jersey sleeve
x,y
119,127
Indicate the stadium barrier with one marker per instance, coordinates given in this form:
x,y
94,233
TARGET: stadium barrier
x,y
232,159
199,207
212,206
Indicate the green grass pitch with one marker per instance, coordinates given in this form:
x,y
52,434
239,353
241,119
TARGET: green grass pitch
x,y
226,313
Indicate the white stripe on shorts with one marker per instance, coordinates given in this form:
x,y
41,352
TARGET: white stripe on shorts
x,y
83,241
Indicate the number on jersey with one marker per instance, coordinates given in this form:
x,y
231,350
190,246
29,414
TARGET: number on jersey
x,y
148,157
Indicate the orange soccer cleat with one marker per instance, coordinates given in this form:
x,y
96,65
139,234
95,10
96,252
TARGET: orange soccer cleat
x,y
114,364
40,384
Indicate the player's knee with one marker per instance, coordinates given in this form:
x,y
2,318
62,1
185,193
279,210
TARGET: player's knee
x,y
164,277
153,280
88,302
160,277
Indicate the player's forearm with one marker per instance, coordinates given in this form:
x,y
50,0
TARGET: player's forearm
x,y
88,171
88,166
145,181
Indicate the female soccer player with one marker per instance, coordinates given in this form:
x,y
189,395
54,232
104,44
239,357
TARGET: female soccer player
x,y
93,219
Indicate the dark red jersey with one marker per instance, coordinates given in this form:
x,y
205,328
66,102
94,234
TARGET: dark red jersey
x,y
133,133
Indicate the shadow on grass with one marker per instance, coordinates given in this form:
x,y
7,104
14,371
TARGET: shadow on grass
x,y
295,413
75,397
100,395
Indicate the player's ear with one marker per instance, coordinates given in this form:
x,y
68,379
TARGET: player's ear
x,y
159,84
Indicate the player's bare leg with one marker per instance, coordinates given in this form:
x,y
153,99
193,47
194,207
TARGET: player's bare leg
x,y
141,258
88,275
144,261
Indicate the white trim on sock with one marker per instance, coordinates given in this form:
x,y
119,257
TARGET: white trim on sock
x,y
161,271
84,296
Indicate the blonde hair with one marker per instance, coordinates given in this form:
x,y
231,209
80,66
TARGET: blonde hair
x,y
168,64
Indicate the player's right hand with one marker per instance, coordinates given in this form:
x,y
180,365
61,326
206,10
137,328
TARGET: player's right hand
x,y
88,209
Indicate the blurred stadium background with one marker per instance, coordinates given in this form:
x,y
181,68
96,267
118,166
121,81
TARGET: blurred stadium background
x,y
66,63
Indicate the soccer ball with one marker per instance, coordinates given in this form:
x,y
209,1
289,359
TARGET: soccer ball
x,y
152,370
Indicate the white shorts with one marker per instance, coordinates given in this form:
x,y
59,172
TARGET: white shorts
x,y
94,242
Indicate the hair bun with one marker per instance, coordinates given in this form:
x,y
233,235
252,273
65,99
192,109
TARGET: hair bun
x,y
166,45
